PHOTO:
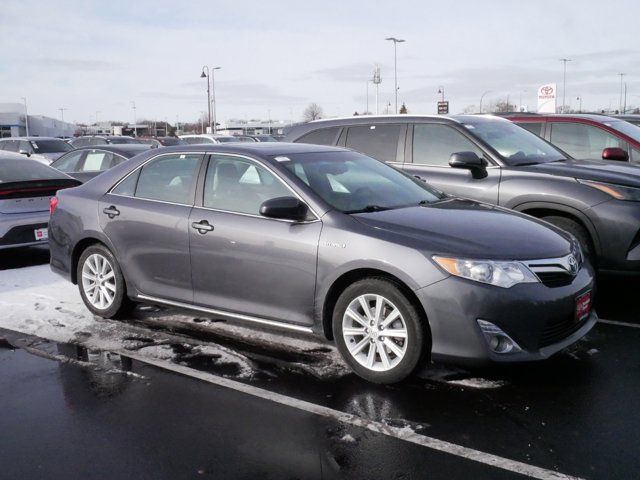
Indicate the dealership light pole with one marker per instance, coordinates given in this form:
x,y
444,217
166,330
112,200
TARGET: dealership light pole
x,y
564,82
579,98
135,122
26,115
395,41
206,75
621,89
441,91
481,97
62,109
213,94
377,80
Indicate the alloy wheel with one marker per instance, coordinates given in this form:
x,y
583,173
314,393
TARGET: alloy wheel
x,y
99,281
375,332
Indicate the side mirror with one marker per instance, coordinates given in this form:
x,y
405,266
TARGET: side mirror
x,y
615,153
24,152
469,161
287,208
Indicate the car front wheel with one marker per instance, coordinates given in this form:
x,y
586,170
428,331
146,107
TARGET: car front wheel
x,y
378,331
101,283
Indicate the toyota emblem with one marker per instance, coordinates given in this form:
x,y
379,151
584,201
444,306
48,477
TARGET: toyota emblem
x,y
546,90
573,265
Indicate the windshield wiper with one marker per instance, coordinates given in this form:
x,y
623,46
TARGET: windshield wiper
x,y
369,208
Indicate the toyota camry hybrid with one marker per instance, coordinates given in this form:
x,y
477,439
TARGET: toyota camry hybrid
x,y
328,241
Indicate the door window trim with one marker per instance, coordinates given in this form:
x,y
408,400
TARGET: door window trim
x,y
199,203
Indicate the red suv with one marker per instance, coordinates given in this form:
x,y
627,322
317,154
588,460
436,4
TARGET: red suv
x,y
587,137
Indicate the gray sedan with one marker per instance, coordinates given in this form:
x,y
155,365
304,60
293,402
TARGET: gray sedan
x,y
327,241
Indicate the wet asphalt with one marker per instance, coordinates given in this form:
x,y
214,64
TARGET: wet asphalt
x,y
576,414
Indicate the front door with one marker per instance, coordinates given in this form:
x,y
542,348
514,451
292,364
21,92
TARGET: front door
x,y
432,146
146,217
243,262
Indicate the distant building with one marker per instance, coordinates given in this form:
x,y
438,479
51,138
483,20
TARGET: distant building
x,y
13,123
252,127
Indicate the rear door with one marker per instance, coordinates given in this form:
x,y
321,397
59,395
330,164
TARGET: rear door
x,y
384,142
429,147
146,217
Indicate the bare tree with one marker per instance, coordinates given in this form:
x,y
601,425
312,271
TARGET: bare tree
x,y
403,109
504,106
313,112
470,109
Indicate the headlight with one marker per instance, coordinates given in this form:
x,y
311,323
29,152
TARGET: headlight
x,y
618,192
500,274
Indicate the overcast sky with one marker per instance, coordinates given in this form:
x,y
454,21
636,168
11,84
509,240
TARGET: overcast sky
x,y
279,56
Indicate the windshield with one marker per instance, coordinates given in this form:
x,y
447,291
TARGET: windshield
x,y
515,145
120,140
629,129
50,146
353,183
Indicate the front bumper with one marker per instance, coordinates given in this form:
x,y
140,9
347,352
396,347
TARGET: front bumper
x,y
618,225
526,312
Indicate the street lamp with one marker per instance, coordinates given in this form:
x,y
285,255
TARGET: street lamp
x,y
579,98
135,122
441,91
62,109
564,83
206,75
26,115
395,41
621,89
213,94
481,97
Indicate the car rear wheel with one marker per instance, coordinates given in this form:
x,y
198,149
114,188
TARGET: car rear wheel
x,y
378,331
578,231
101,283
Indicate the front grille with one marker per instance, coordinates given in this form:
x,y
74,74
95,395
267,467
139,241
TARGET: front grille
x,y
559,330
556,272
21,234
555,279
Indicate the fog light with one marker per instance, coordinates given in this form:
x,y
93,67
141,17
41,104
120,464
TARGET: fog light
x,y
497,339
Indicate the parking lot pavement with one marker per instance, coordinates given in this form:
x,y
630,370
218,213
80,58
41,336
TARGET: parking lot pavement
x,y
203,398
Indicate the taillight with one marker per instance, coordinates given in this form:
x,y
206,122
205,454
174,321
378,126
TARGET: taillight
x,y
53,203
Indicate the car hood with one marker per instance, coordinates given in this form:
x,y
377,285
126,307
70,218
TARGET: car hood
x,y
468,229
621,173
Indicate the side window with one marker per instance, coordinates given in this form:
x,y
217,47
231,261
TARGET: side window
x,y
128,186
583,141
324,136
533,127
116,160
377,141
169,178
97,161
635,155
69,162
237,185
434,143
12,146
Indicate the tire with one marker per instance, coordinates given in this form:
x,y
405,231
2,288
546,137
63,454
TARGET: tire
x,y
355,341
578,231
112,290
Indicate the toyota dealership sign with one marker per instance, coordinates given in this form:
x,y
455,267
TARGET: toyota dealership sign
x,y
547,98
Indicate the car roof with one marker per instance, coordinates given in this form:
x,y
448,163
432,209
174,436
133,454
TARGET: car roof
x,y
4,155
592,117
260,149
32,139
125,149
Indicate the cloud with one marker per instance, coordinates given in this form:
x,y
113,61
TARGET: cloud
x,y
355,72
76,64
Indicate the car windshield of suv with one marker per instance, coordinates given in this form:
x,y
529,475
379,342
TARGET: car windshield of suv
x,y
50,146
121,140
515,145
354,183
629,129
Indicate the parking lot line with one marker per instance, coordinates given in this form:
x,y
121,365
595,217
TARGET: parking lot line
x,y
620,324
404,434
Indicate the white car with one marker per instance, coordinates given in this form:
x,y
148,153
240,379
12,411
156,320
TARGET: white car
x,y
43,149
207,138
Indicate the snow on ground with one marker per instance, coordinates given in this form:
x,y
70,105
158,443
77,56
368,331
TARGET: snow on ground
x,y
35,301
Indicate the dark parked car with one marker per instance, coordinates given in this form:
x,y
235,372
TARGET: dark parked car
x,y
92,140
43,149
170,141
26,189
87,162
584,136
328,241
491,160
631,118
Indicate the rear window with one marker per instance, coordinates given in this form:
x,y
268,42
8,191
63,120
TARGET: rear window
x,y
533,127
24,170
50,146
324,136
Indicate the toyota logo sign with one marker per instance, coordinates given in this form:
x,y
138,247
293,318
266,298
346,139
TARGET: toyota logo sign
x,y
546,90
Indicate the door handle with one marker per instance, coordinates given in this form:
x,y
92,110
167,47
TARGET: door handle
x,y
202,226
419,178
111,211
